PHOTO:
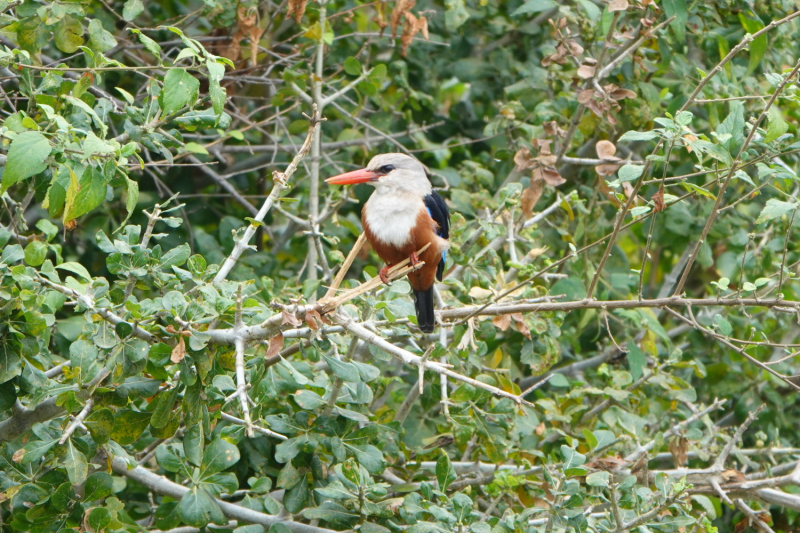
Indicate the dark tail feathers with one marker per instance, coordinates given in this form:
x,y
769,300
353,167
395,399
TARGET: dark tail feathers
x,y
423,301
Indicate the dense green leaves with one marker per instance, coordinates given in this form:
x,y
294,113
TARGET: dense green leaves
x,y
135,164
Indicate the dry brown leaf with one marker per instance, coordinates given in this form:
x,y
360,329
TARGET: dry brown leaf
x,y
658,200
18,455
574,48
585,96
733,476
606,170
313,319
70,225
619,94
606,150
586,71
679,448
401,7
413,26
502,322
551,128
549,175
522,327
530,196
618,5
179,351
297,8
289,318
539,429
380,16
523,159
275,345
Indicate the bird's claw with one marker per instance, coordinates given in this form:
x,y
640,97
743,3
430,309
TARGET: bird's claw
x,y
414,259
384,274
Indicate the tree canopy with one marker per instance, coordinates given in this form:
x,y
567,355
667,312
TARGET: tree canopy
x,y
193,335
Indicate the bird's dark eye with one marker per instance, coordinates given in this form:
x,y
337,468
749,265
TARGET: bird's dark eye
x,y
385,169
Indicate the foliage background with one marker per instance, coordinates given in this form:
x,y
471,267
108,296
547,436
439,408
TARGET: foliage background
x,y
140,140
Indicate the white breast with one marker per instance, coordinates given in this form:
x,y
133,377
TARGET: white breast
x,y
391,217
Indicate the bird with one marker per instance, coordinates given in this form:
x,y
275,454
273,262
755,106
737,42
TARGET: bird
x,y
402,215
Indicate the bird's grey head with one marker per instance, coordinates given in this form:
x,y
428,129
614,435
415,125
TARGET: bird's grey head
x,y
389,174
399,172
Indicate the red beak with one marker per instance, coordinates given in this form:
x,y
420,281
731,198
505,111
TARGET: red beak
x,y
357,176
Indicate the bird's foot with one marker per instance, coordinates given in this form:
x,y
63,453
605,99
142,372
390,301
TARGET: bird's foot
x,y
384,274
414,259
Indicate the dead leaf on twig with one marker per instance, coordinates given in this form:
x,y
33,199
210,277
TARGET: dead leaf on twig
x,y
275,345
502,322
297,8
733,476
605,151
522,327
179,351
401,7
289,318
530,196
679,448
313,319
618,5
413,26
658,200
248,27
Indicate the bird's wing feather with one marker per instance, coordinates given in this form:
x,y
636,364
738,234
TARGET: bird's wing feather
x,y
438,211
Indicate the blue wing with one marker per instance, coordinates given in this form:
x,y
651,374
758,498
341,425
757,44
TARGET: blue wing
x,y
438,211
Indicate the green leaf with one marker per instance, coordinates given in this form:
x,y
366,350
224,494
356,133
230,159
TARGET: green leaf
x,y
758,46
699,190
572,458
100,424
151,46
193,442
777,126
598,479
733,125
180,89
26,157
534,6
352,66
342,370
100,39
35,253
91,193
198,509
218,456
445,473
129,426
99,486
68,35
455,15
165,403
98,518
176,257
723,325
35,450
132,9
76,268
592,11
630,172
633,136
76,464
775,209
677,8
195,148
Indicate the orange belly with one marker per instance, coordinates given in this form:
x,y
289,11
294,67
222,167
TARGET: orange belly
x,y
421,234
